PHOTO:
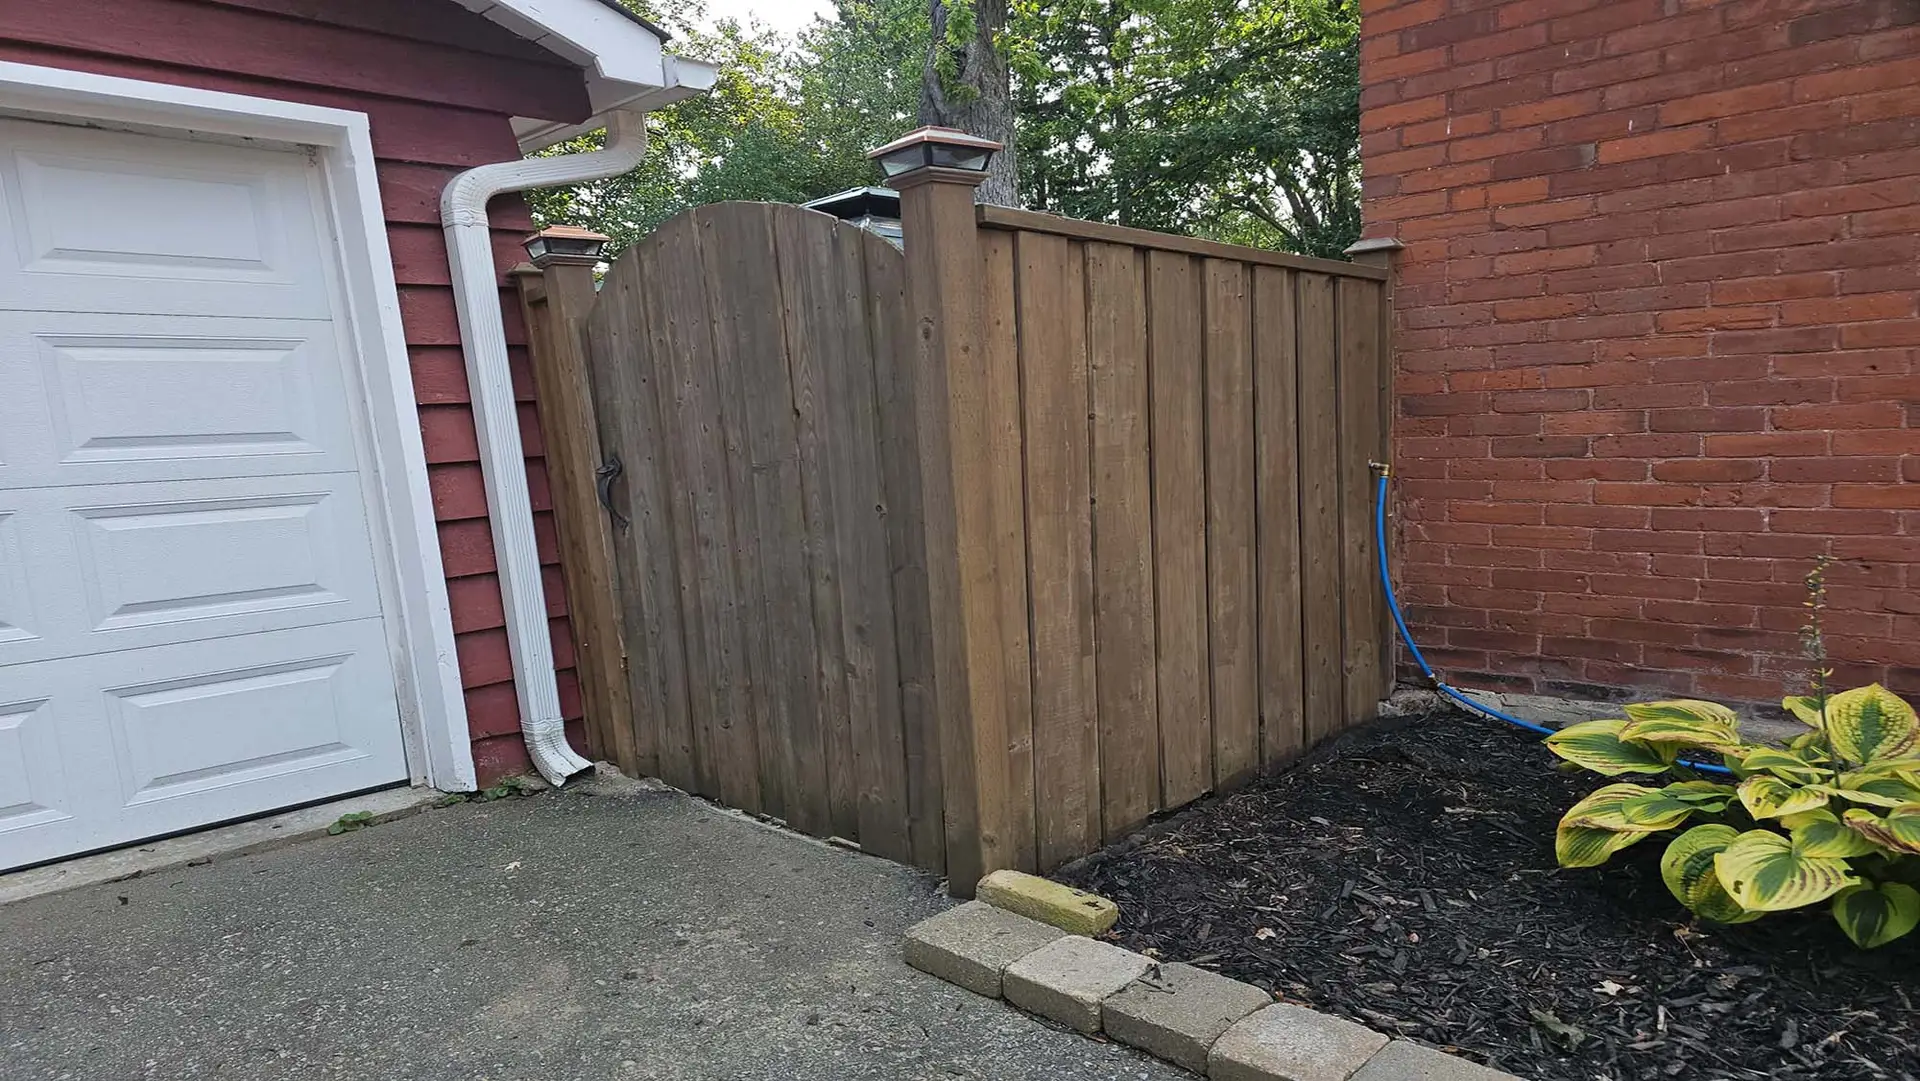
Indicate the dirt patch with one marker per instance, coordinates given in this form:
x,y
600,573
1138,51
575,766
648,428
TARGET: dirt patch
x,y
1403,877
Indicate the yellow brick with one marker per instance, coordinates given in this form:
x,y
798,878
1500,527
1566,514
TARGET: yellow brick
x,y
1071,910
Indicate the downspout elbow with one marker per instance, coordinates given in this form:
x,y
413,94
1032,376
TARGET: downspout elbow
x,y
476,285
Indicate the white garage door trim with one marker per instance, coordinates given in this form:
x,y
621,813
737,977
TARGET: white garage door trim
x,y
412,581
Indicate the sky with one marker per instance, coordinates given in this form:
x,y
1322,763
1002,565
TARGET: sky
x,y
786,16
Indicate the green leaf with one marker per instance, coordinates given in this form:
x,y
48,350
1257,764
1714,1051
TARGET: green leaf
x,y
1771,797
1829,837
1896,789
1665,808
1898,831
1586,846
1684,721
1869,723
1783,764
1604,808
1876,915
1687,869
1805,709
1762,873
1597,746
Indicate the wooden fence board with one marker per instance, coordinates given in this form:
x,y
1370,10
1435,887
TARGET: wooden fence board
x,y
743,301
860,549
814,335
900,448
1277,514
1232,648
1175,344
1358,333
1053,357
1323,685
1004,464
1129,725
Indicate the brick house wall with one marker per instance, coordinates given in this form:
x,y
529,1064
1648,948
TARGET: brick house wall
x,y
1658,344
440,86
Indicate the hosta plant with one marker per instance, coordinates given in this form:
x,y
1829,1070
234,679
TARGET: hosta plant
x,y
1833,817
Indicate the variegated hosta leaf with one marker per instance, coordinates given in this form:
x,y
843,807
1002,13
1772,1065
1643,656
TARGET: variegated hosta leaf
x,y
1829,837
1783,764
1869,723
1603,808
1867,795
1687,869
1801,818
1683,721
1771,797
1805,709
1597,746
1665,808
1586,846
1876,915
1891,790
1807,741
1762,873
1898,831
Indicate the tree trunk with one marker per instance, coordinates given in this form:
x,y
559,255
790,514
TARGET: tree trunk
x,y
974,94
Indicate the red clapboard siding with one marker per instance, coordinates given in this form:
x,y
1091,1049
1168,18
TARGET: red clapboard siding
x,y
209,37
439,86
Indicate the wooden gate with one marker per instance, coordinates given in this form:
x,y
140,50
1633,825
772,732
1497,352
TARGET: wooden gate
x,y
1089,542
743,365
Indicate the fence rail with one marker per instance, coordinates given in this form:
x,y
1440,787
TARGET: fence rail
x,y
983,554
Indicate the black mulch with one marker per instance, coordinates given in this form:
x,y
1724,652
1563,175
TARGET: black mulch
x,y
1403,877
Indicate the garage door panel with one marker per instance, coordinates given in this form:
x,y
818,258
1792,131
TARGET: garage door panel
x,y
108,221
33,789
180,736
127,566
17,614
88,398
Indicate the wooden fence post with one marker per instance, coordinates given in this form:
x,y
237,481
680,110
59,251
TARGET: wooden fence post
x,y
1382,252
948,383
556,295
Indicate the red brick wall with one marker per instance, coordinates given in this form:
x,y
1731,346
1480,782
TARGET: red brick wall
x,y
439,85
1657,334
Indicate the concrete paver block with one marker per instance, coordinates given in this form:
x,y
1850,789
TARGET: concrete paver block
x,y
1403,1060
971,945
1042,899
1178,1011
1068,979
1291,1043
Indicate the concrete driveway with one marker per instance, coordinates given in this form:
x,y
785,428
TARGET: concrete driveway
x,y
608,931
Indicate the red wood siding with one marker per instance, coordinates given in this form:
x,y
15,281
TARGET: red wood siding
x,y
439,85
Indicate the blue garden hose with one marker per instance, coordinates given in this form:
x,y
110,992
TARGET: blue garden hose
x,y
1383,474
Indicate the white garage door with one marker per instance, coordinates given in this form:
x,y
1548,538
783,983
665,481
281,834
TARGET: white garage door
x,y
190,620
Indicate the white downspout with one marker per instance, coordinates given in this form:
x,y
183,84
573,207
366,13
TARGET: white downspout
x,y
476,291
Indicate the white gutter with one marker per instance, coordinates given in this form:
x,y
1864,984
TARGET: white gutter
x,y
476,285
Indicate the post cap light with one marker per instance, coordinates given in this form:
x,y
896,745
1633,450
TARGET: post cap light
x,y
935,148
566,243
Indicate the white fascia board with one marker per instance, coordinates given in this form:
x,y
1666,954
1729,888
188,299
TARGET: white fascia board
x,y
685,79
587,32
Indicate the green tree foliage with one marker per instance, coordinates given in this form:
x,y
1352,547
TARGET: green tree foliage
x,y
1233,119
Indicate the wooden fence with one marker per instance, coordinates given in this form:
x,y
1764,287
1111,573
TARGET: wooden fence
x,y
982,555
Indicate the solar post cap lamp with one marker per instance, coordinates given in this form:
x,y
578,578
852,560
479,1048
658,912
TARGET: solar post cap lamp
x,y
935,148
566,244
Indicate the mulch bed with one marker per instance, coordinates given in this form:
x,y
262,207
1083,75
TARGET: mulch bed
x,y
1403,876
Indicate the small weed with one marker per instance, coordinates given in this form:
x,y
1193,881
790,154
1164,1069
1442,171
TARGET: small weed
x,y
347,823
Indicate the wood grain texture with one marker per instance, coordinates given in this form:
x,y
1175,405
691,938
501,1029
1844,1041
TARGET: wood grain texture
x,y
905,516
1277,515
742,293
555,305
1358,336
1231,606
815,328
1053,363
1000,217
1321,596
1175,354
1124,638
627,394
